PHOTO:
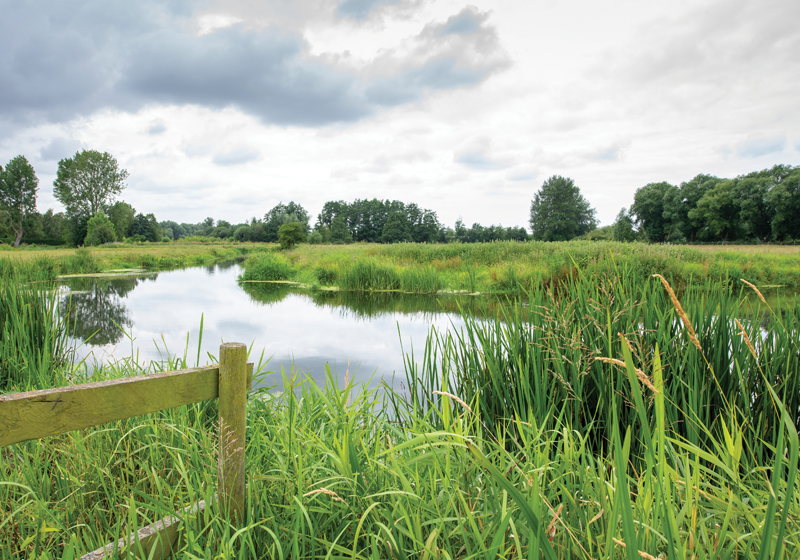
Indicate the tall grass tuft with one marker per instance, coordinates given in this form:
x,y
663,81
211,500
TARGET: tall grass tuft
x,y
267,266
34,346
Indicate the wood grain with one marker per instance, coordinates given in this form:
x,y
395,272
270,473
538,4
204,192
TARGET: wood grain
x,y
38,414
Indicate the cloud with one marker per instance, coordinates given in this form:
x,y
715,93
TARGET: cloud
x,y
59,62
235,157
156,127
361,9
761,147
611,153
60,148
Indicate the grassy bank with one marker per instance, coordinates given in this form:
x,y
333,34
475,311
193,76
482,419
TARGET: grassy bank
x,y
511,266
47,264
518,438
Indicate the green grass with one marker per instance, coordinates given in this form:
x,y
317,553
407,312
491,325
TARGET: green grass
x,y
513,267
512,441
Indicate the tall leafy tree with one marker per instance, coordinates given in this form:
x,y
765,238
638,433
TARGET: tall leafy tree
x,y
18,186
784,198
648,211
122,215
86,184
717,213
559,211
622,229
396,229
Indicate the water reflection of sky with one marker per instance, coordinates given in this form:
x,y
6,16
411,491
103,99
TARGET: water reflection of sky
x,y
289,327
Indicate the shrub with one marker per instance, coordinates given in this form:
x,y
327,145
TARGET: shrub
x,y
266,266
99,230
290,234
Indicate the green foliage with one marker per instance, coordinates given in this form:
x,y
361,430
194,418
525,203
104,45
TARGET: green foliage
x,y
34,345
99,230
315,237
266,266
559,212
339,234
290,234
146,228
395,230
622,230
18,186
122,215
86,183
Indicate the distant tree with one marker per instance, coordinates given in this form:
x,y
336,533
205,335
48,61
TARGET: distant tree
x,y
99,230
122,216
86,184
146,226
290,234
33,224
395,230
648,211
18,186
339,233
623,227
784,198
559,212
53,225
282,214
717,214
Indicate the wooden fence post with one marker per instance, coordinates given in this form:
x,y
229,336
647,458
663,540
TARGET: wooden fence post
x,y
232,405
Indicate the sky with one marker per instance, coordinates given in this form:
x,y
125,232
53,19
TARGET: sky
x,y
224,108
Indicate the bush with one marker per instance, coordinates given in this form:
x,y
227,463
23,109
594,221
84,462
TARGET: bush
x,y
266,266
99,230
290,234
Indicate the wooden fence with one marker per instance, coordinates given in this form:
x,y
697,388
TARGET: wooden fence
x,y
38,414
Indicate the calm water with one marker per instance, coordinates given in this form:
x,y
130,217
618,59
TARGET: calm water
x,y
148,316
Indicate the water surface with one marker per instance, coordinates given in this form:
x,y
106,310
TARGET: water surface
x,y
152,315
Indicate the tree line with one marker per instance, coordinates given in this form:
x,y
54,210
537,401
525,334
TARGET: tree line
x,y
762,206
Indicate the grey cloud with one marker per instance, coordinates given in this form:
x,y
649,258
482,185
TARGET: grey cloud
x,y
613,153
60,61
60,148
797,146
361,9
235,157
156,128
761,147
465,22
478,160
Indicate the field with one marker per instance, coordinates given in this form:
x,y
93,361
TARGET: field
x,y
513,267
47,263
600,416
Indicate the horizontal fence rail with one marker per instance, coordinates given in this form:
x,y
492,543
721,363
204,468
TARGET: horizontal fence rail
x,y
49,412
37,414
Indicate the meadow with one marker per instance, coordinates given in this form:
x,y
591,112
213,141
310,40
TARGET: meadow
x,y
514,267
46,263
601,415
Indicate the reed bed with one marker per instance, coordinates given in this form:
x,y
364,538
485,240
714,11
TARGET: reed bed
x,y
514,267
605,417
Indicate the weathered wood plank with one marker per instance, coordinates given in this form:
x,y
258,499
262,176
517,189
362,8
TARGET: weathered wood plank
x,y
232,412
37,414
154,542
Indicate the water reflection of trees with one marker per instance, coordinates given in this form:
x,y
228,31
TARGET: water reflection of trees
x,y
97,309
370,305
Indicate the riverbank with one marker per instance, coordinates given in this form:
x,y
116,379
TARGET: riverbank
x,y
48,263
508,267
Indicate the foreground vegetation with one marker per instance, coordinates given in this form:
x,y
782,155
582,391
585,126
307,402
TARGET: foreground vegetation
x,y
513,267
603,416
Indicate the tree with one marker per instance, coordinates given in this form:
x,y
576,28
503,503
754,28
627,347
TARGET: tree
x,y
559,212
283,214
648,211
622,229
99,230
290,234
85,184
146,228
395,230
18,186
340,234
122,215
